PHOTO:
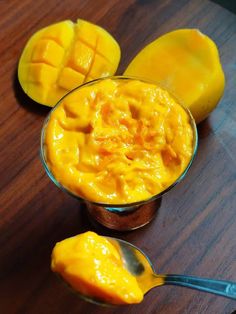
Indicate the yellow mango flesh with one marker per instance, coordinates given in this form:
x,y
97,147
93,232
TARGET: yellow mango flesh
x,y
187,63
93,266
62,56
118,141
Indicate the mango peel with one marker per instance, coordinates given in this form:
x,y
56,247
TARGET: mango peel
x,y
62,56
187,63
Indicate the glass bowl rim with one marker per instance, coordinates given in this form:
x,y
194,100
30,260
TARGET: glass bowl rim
x,y
122,206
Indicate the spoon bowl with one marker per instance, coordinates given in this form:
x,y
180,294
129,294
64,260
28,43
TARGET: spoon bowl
x,y
140,266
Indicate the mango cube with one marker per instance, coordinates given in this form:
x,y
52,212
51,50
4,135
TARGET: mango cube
x,y
49,52
70,78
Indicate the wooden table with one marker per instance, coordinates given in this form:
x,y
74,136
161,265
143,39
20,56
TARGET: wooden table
x,y
194,231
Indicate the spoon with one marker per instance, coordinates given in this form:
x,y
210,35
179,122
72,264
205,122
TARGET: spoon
x,y
139,265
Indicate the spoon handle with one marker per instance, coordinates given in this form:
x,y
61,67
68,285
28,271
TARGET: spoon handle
x,y
220,287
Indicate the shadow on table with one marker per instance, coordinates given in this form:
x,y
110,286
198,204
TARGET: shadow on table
x,y
204,129
227,4
25,101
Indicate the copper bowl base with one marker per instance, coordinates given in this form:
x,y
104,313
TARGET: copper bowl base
x,y
126,218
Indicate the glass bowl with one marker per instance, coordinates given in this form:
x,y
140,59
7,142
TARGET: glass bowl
x,y
120,217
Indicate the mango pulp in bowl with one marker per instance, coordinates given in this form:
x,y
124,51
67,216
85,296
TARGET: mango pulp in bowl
x,y
118,144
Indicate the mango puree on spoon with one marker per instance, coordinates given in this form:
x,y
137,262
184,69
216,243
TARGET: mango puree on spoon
x,y
93,266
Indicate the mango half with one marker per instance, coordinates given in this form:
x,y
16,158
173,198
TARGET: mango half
x,y
187,63
62,56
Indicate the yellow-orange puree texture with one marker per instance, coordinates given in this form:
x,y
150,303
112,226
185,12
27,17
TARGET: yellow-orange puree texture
x,y
118,141
93,266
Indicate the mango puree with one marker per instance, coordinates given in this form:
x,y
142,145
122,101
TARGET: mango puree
x,y
93,266
118,141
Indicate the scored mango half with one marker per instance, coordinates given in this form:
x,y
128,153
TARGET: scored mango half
x,y
62,56
187,63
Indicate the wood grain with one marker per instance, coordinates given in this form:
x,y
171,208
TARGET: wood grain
x,y
194,231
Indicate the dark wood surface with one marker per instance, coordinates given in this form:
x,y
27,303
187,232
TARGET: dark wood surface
x,y
195,229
